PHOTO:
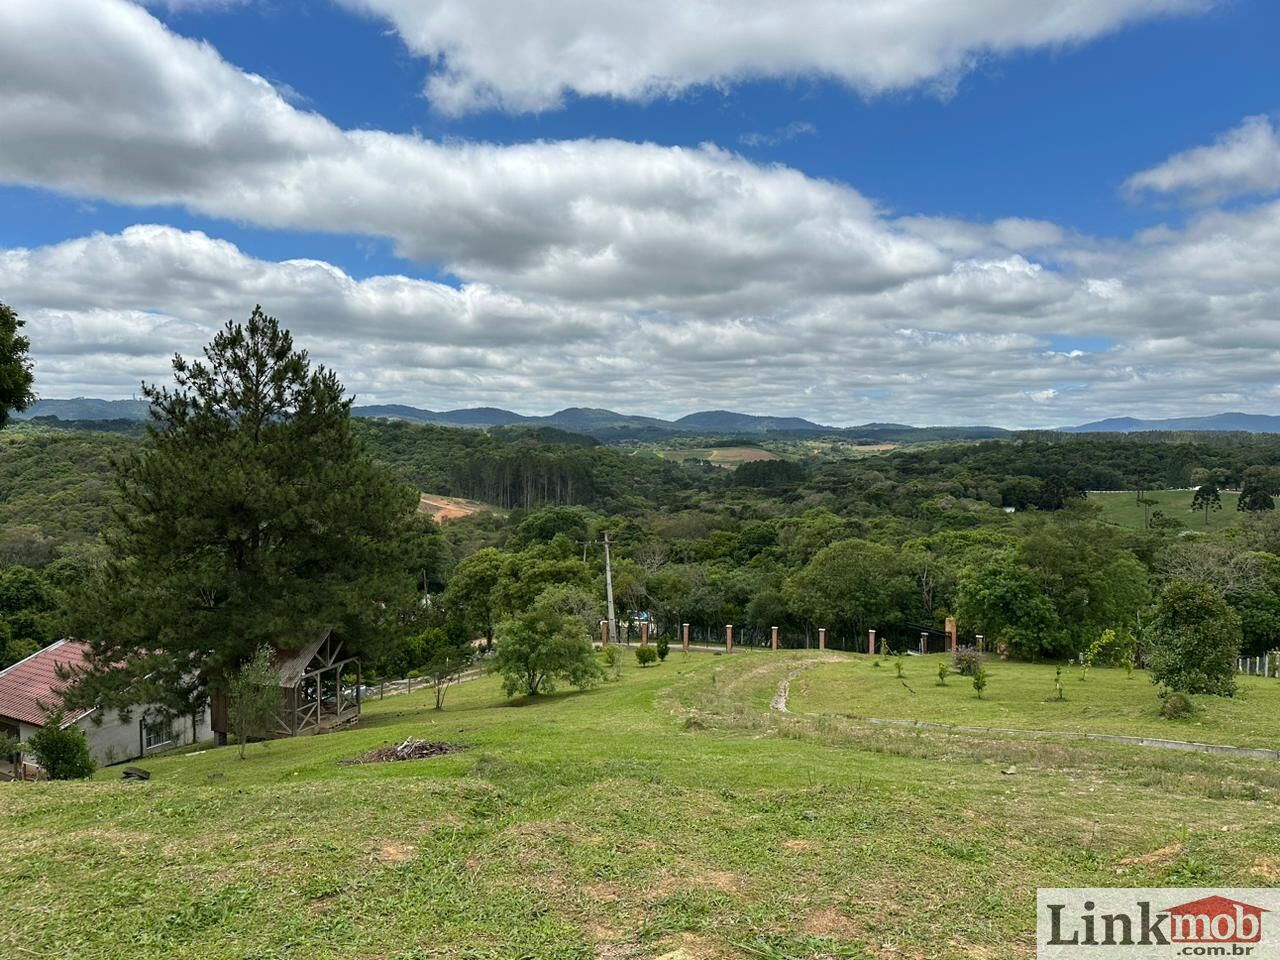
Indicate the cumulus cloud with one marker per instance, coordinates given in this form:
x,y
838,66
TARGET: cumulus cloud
x,y
1242,161
149,117
648,278
521,56
966,345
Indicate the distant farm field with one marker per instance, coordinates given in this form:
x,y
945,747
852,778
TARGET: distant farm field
x,y
1122,508
729,457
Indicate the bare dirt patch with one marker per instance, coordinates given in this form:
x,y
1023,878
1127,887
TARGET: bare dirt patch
x,y
1268,868
394,853
1163,857
830,922
444,509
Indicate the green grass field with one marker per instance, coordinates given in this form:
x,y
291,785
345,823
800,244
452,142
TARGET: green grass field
x,y
1123,509
672,814
1023,696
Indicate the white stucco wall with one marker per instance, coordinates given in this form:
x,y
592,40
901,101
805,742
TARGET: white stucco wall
x,y
116,741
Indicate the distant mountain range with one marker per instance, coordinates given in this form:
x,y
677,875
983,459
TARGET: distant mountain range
x,y
611,425
1218,423
601,424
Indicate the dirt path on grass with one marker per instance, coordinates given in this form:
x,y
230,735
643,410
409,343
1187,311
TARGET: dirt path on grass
x,y
779,702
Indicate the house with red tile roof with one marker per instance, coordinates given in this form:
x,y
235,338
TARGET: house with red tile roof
x,y
30,690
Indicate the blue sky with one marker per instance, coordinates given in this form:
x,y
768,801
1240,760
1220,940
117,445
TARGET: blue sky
x,y
1056,130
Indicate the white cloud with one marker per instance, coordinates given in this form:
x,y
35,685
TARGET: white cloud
x,y
522,56
797,128
648,278
1243,161
149,117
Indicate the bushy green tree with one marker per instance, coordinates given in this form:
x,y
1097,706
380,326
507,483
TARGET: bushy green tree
x,y
1001,600
251,516
62,752
1254,499
15,366
1195,640
646,655
543,647
254,698
471,591
851,586
28,613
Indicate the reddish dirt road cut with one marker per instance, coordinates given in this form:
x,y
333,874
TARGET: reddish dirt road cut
x,y
444,509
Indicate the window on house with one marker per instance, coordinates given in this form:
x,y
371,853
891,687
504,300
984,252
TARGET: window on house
x,y
157,733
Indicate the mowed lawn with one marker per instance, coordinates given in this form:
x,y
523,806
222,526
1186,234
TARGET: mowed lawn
x,y
1023,696
1123,509
672,814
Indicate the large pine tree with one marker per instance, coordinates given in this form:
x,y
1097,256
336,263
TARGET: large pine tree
x,y
252,516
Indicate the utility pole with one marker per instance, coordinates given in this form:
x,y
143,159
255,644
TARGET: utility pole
x,y
608,580
608,586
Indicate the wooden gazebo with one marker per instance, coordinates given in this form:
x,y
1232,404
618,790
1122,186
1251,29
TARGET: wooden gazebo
x,y
312,698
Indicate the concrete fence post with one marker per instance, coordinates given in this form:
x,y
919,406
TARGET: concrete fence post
x,y
604,633
684,632
773,637
728,638
644,633
952,638
822,638
871,643
924,643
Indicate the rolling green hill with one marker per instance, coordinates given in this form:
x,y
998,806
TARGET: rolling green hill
x,y
695,823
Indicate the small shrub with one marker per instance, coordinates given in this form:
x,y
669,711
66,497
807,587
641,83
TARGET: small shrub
x,y
646,656
1112,649
1084,671
979,680
663,648
63,754
1057,684
613,661
942,673
898,662
1177,706
876,664
966,660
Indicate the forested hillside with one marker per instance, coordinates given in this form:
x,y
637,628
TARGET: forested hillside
x,y
894,541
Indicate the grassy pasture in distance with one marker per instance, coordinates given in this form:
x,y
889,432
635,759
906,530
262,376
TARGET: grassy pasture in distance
x,y
728,457
671,811
1122,508
1021,696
